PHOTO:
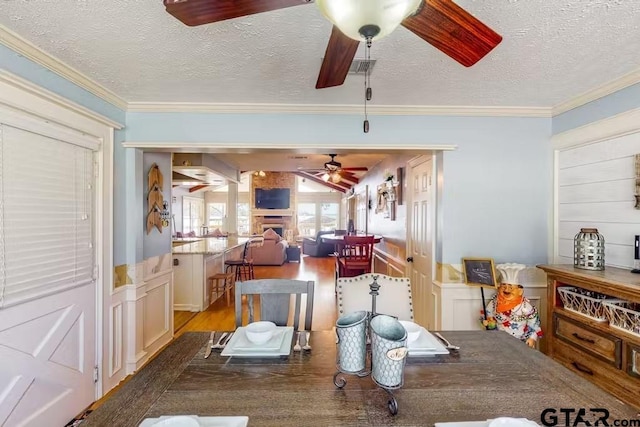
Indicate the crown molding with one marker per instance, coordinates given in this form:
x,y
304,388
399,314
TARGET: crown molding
x,y
612,127
257,147
608,88
44,94
39,56
390,110
30,51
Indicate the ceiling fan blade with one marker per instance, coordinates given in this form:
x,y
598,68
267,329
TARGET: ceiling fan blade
x,y
337,59
453,30
199,12
356,169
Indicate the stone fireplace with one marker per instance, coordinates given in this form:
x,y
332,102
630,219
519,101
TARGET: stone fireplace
x,y
277,219
278,228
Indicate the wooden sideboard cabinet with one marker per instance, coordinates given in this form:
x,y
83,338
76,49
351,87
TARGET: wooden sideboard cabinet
x,y
608,356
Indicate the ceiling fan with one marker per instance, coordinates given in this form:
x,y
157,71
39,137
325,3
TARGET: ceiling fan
x,y
335,173
442,23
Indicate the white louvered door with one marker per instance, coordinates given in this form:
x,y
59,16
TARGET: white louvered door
x,y
47,283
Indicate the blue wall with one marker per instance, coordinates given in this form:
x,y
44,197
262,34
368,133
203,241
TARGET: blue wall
x,y
156,243
27,69
497,184
496,199
610,105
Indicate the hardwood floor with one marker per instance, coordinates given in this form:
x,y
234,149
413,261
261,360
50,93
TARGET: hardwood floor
x,y
220,316
180,318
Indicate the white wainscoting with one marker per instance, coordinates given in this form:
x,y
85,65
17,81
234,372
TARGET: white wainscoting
x,y
140,320
595,186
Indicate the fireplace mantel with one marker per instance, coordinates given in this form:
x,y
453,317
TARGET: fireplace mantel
x,y
271,212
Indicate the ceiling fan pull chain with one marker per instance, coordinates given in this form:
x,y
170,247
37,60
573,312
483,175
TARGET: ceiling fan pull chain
x,y
368,93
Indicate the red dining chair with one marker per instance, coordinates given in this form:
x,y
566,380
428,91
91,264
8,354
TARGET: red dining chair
x,y
355,256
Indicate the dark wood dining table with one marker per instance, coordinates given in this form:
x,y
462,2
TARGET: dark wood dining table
x,y
492,375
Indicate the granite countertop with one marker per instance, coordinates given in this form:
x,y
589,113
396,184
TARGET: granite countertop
x,y
209,245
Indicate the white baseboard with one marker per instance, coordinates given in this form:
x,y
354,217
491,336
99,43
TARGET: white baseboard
x,y
185,307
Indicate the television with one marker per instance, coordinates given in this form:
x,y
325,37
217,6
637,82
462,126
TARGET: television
x,y
272,198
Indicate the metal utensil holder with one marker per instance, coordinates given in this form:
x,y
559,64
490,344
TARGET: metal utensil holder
x,y
386,355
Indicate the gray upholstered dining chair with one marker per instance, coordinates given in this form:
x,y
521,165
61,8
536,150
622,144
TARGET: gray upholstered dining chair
x,y
275,300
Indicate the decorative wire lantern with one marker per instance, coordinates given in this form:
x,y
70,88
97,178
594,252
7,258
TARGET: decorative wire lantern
x,y
588,249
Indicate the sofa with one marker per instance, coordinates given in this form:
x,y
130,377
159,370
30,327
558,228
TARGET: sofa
x,y
272,252
316,247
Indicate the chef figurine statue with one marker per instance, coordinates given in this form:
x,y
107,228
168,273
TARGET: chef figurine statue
x,y
510,310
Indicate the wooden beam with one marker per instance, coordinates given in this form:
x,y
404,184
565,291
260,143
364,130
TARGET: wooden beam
x,y
319,180
197,187
346,185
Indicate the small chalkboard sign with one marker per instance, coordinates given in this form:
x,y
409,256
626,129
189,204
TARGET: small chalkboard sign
x,y
479,272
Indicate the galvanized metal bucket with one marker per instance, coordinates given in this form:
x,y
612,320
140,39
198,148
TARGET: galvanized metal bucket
x,y
388,351
352,342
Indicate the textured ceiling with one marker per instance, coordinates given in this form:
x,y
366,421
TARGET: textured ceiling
x,y
552,50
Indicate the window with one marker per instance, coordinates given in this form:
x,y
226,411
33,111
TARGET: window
x,y
329,217
307,219
244,224
192,214
318,208
217,214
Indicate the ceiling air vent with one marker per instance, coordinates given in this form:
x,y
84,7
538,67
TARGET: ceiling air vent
x,y
359,66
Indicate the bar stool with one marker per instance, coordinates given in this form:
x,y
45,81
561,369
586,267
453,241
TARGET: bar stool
x,y
243,268
225,279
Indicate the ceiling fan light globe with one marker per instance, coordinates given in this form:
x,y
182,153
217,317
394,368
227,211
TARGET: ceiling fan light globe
x,y
326,177
351,16
335,177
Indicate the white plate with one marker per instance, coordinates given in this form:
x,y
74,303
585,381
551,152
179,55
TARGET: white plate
x,y
286,336
511,422
463,424
497,422
426,345
243,343
167,420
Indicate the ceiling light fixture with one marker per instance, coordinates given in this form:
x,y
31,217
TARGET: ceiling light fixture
x,y
360,19
260,173
332,170
369,20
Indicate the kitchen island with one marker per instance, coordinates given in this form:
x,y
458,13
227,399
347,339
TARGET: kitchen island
x,y
492,375
194,260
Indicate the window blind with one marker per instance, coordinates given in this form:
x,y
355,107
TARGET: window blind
x,y
46,216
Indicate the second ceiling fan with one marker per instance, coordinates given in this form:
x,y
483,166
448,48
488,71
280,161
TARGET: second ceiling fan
x,y
334,172
442,23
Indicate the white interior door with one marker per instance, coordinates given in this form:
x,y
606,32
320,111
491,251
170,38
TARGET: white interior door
x,y
47,279
420,240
